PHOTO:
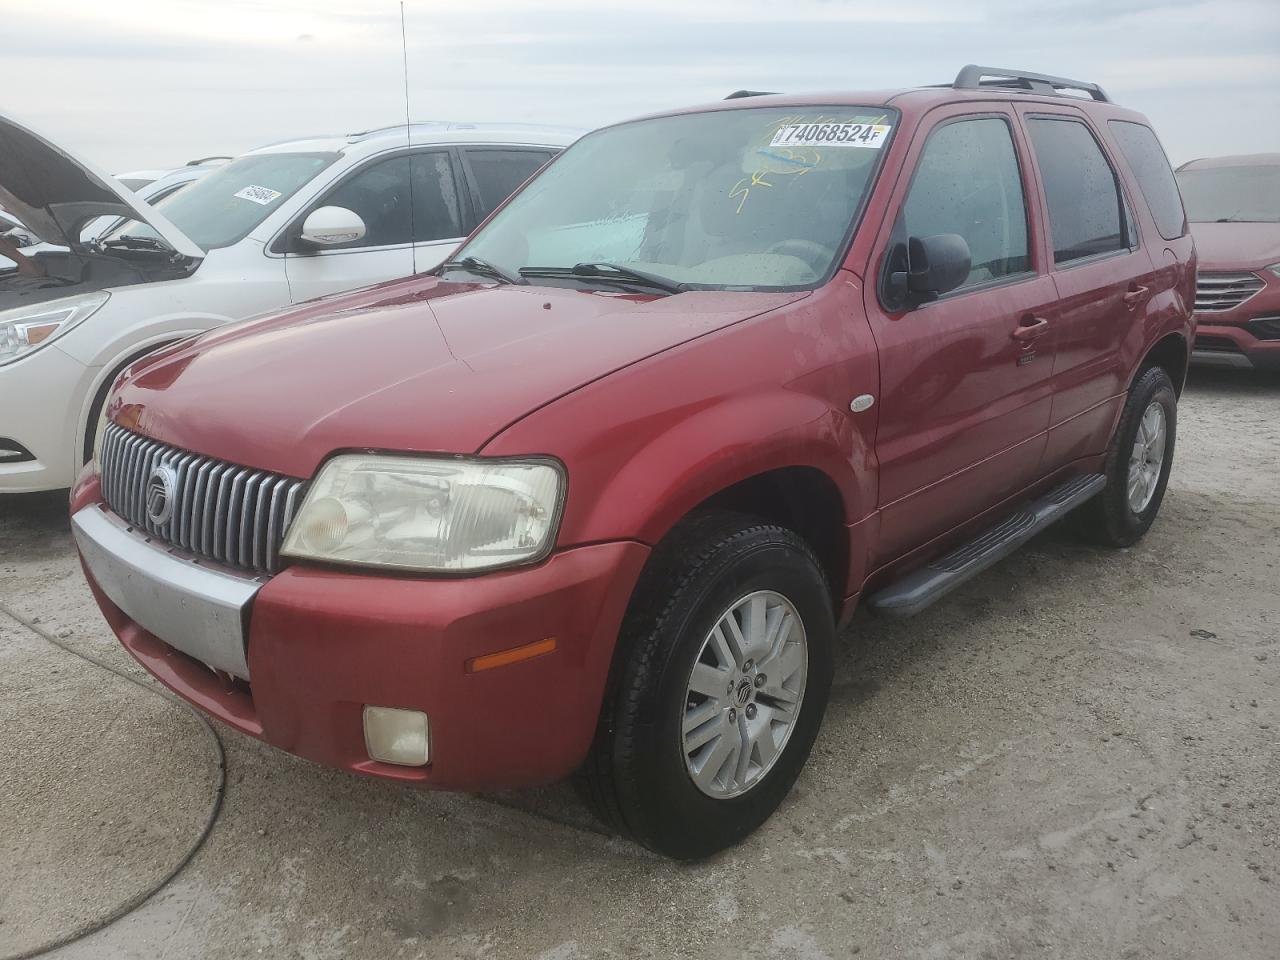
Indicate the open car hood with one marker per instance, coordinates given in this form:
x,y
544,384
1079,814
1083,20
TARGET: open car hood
x,y
54,194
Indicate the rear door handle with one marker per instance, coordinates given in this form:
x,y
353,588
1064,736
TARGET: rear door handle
x,y
1136,296
1030,329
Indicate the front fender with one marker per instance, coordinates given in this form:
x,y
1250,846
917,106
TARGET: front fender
x,y
114,358
649,443
709,450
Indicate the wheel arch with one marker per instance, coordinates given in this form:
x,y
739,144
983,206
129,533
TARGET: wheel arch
x,y
107,375
803,499
1172,354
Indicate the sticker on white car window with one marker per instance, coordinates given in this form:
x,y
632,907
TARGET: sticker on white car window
x,y
259,195
831,135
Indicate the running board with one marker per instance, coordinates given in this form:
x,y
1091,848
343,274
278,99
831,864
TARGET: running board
x,y
932,582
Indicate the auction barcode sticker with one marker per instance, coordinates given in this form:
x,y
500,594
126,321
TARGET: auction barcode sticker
x,y
259,195
831,135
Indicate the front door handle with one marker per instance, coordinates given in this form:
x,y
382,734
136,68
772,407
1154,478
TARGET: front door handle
x,y
1136,296
1030,329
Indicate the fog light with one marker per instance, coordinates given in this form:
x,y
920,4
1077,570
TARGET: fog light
x,y
397,736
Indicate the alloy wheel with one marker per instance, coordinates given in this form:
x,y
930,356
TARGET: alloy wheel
x,y
1146,460
744,694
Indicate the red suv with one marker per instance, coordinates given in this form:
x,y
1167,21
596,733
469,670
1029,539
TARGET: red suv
x,y
596,496
1233,204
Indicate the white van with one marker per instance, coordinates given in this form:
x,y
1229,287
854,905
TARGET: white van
x,y
279,225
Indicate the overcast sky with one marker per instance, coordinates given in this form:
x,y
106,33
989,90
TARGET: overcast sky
x,y
153,83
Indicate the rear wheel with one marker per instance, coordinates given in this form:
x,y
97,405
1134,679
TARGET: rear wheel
x,y
1137,465
722,681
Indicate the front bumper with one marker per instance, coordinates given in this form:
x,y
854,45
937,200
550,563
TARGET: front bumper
x,y
321,644
40,398
1246,337
202,609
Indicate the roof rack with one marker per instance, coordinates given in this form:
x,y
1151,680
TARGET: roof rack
x,y
204,160
398,126
739,94
973,77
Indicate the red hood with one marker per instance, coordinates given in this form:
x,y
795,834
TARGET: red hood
x,y
415,365
1237,246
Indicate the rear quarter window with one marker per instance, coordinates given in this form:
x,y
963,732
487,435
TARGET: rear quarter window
x,y
1147,160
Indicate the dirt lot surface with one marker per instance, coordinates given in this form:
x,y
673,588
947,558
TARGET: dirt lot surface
x,y
1074,756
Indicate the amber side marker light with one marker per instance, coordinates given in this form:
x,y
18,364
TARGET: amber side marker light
x,y
39,332
504,657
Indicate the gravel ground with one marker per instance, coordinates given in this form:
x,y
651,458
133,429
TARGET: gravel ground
x,y
1073,756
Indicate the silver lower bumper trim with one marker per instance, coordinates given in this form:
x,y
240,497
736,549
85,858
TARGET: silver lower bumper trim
x,y
195,609
1221,358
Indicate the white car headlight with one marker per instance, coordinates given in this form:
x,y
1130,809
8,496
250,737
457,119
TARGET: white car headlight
x,y
1274,269
25,329
429,514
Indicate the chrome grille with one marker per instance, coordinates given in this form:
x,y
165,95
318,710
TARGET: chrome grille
x,y
221,511
1225,291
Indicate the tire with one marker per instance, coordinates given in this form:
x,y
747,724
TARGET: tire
x,y
640,775
1113,518
95,423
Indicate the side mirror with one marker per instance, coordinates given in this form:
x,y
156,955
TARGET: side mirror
x,y
331,226
934,265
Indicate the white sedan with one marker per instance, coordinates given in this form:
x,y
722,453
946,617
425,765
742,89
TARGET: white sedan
x,y
278,225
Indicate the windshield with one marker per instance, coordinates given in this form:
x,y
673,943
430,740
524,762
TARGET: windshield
x,y
1231,194
222,208
761,198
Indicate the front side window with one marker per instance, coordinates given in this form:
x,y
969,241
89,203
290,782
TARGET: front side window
x,y
1085,207
379,195
497,173
968,183
755,198
396,212
222,208
1150,166
1246,193
436,215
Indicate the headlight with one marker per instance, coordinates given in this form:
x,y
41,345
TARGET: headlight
x,y
1275,269
431,514
25,329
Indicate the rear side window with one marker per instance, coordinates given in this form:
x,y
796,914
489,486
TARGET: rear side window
x,y
1085,209
967,182
495,174
1149,164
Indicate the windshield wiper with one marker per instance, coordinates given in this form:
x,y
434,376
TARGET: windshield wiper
x,y
481,268
133,243
612,272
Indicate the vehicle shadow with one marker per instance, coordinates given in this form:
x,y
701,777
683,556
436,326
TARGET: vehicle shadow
x,y
1233,382
32,515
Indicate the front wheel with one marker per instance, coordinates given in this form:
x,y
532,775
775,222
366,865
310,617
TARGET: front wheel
x,y
723,680
1137,465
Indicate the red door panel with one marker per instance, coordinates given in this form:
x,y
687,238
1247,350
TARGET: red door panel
x,y
1100,305
963,409
1103,273
964,403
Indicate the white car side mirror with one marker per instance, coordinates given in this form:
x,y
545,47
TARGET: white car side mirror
x,y
329,226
